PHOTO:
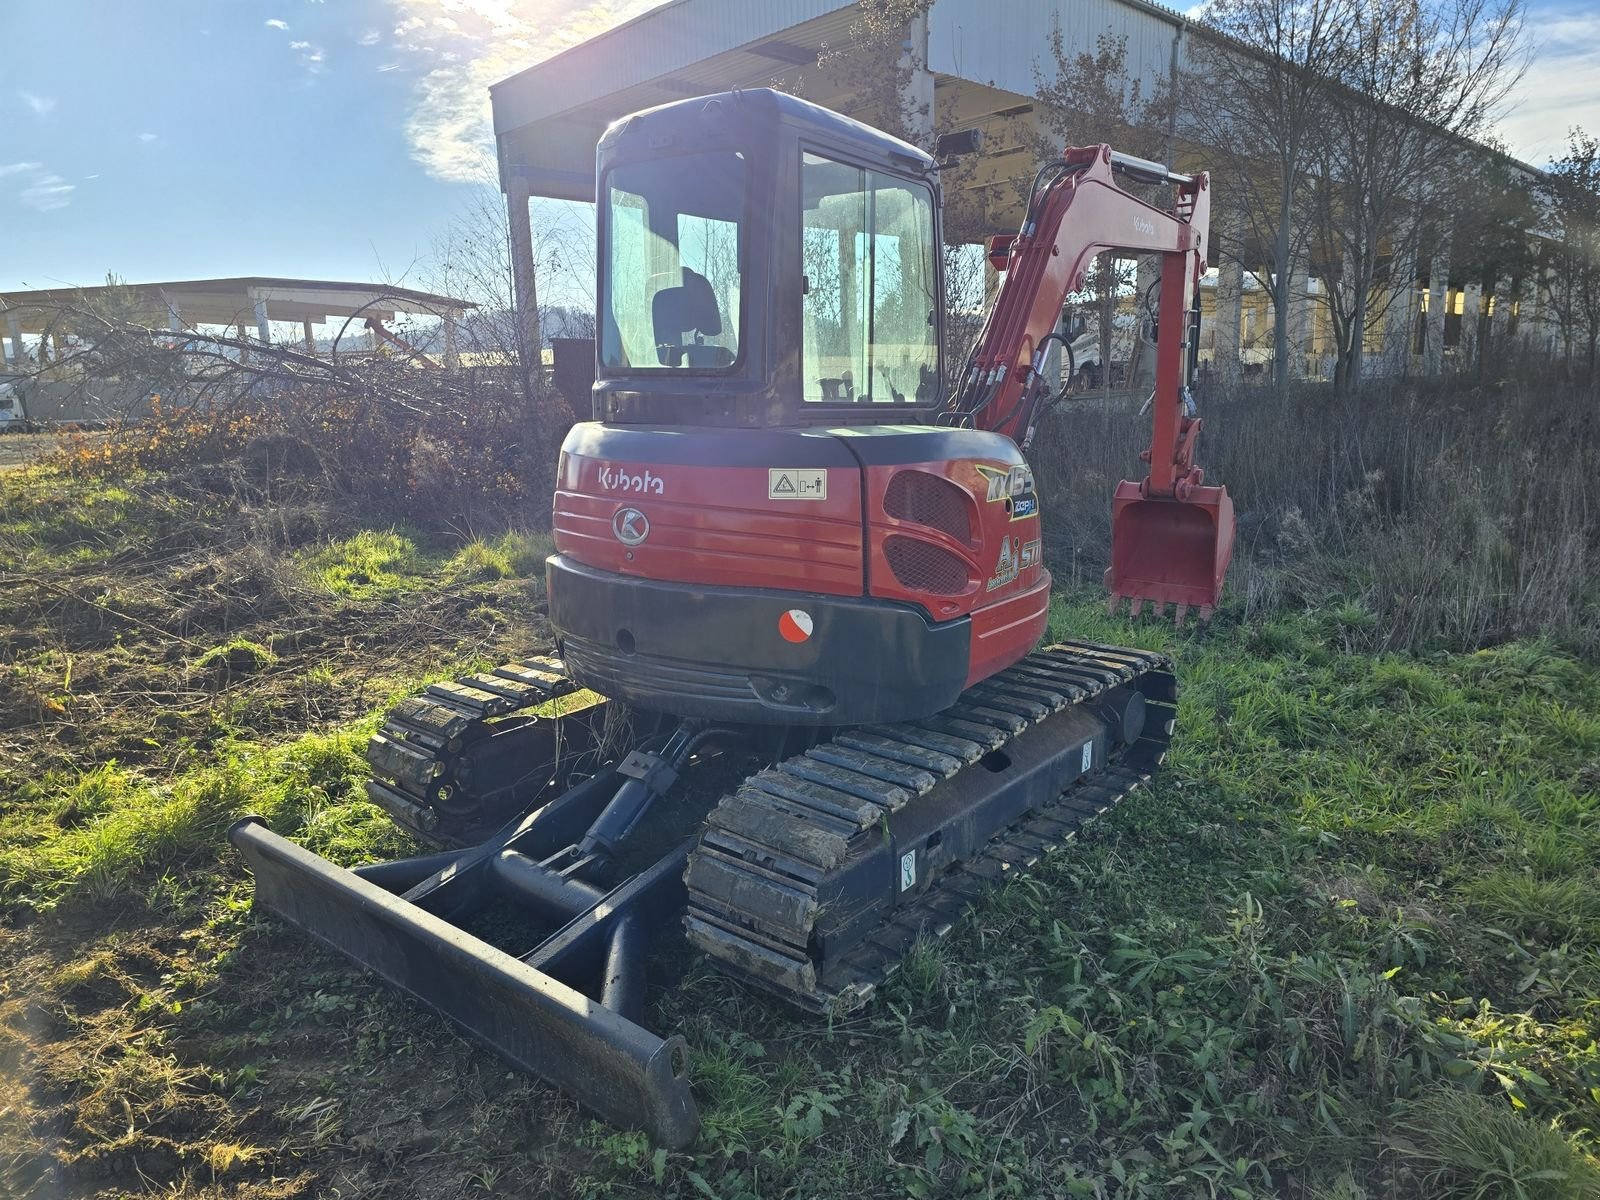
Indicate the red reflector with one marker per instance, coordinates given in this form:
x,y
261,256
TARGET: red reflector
x,y
795,625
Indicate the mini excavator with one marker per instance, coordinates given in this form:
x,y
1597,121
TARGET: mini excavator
x,y
783,536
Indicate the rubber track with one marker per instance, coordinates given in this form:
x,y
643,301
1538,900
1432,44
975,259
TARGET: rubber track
x,y
753,879
415,754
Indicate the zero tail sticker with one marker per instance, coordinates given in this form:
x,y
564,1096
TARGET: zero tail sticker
x,y
795,625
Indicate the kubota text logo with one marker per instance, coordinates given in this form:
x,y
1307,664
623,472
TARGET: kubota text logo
x,y
631,526
1143,226
622,480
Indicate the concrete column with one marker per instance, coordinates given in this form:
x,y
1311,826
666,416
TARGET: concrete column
x,y
1142,368
174,318
916,97
1302,320
310,337
452,356
1227,319
1399,323
1500,318
14,328
1437,301
1527,313
263,326
523,281
1471,320
1530,315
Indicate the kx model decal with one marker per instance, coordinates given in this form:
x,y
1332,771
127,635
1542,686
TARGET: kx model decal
x,y
1014,484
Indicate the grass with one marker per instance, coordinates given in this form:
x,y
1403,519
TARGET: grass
x,y
1347,945
381,564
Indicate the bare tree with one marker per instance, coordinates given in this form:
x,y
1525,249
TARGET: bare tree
x,y
1420,80
472,260
1570,283
1255,95
1490,241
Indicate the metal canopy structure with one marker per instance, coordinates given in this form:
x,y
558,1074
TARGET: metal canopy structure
x,y
548,118
980,60
250,302
971,64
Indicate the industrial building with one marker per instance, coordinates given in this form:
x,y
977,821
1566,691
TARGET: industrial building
x,y
967,62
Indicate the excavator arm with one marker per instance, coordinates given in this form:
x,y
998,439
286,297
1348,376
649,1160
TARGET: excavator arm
x,y
1171,536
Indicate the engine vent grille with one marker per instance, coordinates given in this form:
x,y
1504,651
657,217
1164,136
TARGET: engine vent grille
x,y
923,567
929,500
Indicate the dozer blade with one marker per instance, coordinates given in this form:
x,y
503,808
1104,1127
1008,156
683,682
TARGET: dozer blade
x,y
613,1066
1170,551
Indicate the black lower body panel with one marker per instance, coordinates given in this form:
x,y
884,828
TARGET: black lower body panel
x,y
721,653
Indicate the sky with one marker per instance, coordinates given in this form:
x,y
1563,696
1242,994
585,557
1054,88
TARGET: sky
x,y
339,139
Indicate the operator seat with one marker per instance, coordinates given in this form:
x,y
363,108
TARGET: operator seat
x,y
690,307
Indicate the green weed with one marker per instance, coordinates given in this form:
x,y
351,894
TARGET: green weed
x,y
370,564
1467,1146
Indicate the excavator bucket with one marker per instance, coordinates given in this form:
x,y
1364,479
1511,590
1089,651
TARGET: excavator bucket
x,y
1169,551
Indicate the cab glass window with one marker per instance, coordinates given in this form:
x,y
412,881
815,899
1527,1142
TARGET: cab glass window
x,y
673,272
867,257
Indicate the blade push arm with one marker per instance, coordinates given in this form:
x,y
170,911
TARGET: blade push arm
x,y
1076,211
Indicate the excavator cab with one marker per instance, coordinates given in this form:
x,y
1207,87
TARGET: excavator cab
x,y
764,263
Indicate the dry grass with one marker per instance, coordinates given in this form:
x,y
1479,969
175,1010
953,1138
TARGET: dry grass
x,y
1453,514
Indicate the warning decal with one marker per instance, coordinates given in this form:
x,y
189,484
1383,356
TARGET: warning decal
x,y
797,483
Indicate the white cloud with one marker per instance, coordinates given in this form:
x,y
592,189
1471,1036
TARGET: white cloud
x,y
465,45
368,37
47,191
148,138
41,105
275,23
1558,90
41,189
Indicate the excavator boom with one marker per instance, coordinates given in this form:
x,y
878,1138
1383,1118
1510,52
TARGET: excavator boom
x,y
1172,537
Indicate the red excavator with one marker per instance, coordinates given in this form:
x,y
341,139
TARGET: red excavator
x,y
785,544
